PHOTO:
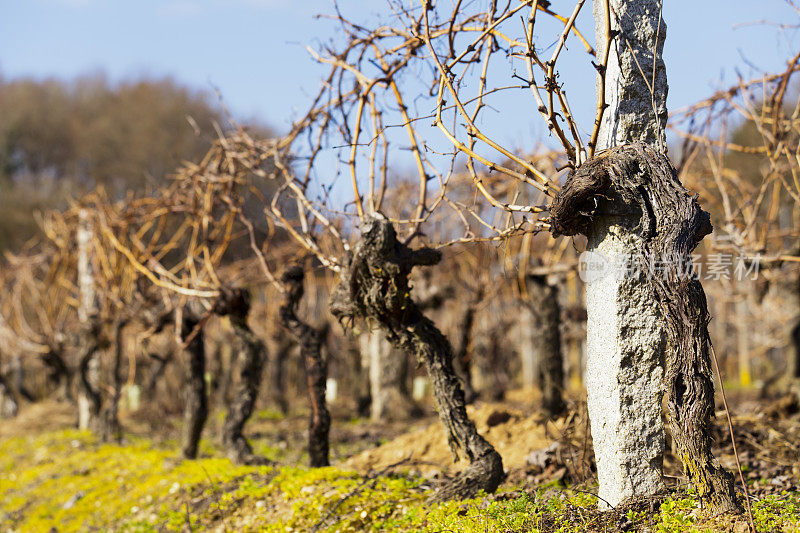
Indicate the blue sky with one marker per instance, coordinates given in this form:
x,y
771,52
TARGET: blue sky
x,y
253,50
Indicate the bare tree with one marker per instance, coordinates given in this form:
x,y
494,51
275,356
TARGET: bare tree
x,y
310,340
375,286
9,404
388,370
543,342
249,353
195,409
89,398
458,47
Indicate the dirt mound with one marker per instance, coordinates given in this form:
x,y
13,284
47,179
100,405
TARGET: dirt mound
x,y
512,433
47,415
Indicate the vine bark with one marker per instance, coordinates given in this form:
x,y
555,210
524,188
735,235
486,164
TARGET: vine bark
x,y
249,353
375,285
310,340
673,224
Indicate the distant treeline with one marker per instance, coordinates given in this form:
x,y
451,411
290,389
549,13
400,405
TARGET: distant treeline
x,y
61,138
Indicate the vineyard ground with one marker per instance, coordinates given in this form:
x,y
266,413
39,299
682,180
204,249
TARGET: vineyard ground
x,y
54,478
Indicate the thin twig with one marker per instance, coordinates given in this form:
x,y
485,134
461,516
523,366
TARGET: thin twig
x,y
733,440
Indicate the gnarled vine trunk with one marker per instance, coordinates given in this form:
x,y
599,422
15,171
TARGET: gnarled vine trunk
x,y
672,224
310,340
58,373
195,411
545,343
248,362
276,371
462,360
375,286
495,364
111,429
18,379
158,366
9,405
90,399
793,366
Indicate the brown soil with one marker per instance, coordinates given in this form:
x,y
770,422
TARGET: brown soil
x,y
47,415
425,450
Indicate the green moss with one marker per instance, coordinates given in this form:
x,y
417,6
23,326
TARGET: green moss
x,y
269,414
772,513
69,480
677,515
778,512
262,449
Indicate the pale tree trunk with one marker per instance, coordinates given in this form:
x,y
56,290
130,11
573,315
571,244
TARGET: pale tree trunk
x,y
625,340
379,351
576,335
89,400
528,350
674,224
356,351
631,205
388,370
370,343
720,327
743,333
